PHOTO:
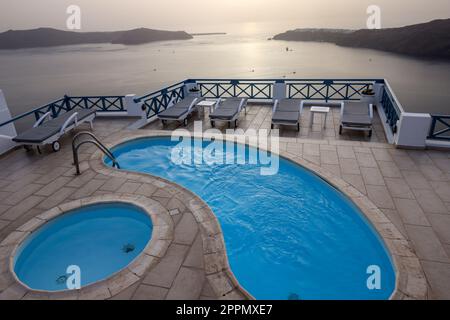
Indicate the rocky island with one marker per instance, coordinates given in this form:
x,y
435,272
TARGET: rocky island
x,y
426,40
48,37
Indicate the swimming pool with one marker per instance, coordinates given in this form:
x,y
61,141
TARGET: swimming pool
x,y
288,236
100,239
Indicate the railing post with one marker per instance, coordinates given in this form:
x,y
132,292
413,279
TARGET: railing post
x,y
327,83
234,84
102,99
53,110
165,102
67,102
37,115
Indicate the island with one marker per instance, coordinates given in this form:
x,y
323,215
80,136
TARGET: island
x,y
48,37
209,34
425,40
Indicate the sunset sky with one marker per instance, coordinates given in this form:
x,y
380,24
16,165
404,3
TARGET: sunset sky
x,y
216,15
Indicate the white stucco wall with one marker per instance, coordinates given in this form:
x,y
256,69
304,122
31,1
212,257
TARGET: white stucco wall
x,y
133,109
413,129
8,130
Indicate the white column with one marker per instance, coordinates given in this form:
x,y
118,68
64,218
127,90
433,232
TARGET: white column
x,y
133,109
378,89
188,86
412,130
8,130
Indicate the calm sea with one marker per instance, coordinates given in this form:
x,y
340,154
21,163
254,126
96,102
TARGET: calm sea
x,y
32,77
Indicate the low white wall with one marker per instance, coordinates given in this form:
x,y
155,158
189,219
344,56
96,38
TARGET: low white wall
x,y
438,144
188,86
378,89
413,129
8,130
133,109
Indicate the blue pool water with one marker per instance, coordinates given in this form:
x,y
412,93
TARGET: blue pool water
x,y
288,236
101,239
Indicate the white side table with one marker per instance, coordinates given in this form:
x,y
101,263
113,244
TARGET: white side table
x,y
321,110
206,104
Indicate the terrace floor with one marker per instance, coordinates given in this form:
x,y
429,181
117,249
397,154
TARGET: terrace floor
x,y
259,117
412,188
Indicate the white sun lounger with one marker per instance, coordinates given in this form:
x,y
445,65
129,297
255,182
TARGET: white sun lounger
x,y
356,116
48,131
179,111
228,110
287,112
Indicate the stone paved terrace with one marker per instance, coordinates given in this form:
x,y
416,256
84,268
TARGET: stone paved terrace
x,y
412,188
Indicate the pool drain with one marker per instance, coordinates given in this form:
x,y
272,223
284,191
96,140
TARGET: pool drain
x,y
128,248
61,280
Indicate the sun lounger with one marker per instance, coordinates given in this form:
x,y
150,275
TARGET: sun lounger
x,y
48,131
228,110
356,116
287,112
179,111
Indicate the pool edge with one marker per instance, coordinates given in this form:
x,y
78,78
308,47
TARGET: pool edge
x,y
163,231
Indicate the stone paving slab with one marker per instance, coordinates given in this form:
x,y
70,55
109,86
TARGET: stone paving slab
x,y
411,187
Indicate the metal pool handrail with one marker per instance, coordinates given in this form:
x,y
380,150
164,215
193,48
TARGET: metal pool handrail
x,y
95,141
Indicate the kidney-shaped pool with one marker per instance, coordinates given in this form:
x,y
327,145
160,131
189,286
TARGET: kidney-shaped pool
x,y
288,236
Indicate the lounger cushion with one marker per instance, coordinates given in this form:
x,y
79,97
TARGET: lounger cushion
x,y
356,113
178,110
289,105
311,103
356,108
185,103
37,135
286,117
355,119
173,113
51,127
232,103
227,109
224,113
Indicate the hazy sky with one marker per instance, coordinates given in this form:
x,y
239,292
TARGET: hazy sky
x,y
212,15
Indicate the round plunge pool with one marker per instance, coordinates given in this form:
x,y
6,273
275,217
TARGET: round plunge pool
x,y
94,241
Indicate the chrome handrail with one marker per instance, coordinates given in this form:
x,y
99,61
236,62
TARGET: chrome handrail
x,y
95,141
